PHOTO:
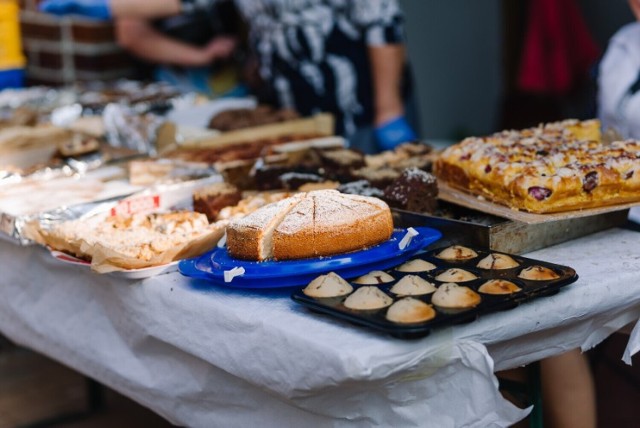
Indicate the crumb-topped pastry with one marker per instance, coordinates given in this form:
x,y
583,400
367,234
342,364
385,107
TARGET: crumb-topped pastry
x,y
454,296
555,167
368,298
456,252
410,310
413,285
329,285
137,241
499,286
318,223
456,275
497,261
538,273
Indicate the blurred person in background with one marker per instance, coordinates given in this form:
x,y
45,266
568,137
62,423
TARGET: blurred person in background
x,y
619,80
192,51
343,57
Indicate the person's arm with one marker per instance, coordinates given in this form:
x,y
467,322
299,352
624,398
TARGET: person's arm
x,y
142,39
381,23
144,8
387,65
635,8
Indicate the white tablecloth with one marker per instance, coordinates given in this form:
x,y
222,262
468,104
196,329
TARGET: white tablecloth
x,y
205,356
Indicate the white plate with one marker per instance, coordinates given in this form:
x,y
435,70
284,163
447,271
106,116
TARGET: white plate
x,y
129,274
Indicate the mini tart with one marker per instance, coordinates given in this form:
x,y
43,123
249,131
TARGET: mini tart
x,y
499,286
329,285
367,298
456,275
413,285
374,277
454,296
456,252
538,273
497,261
409,311
416,265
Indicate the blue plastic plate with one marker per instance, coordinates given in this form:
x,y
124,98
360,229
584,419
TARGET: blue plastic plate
x,y
276,274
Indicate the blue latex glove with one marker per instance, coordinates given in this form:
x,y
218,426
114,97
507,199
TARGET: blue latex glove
x,y
394,132
97,9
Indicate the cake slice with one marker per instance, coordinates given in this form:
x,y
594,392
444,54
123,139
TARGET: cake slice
x,y
251,237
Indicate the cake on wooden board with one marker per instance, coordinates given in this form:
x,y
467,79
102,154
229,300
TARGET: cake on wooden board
x,y
551,168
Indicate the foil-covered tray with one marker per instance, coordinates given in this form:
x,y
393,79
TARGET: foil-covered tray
x,y
28,210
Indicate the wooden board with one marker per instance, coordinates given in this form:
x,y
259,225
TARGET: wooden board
x,y
508,236
458,197
320,124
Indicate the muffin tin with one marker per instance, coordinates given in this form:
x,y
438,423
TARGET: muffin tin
x,y
377,318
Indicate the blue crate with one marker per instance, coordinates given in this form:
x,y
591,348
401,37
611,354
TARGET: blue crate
x,y
11,78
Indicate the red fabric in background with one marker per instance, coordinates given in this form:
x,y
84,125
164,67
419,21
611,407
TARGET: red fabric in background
x,y
558,49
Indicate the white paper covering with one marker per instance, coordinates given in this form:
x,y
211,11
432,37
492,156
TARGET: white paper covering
x,y
204,356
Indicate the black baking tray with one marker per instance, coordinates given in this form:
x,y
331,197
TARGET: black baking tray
x,y
375,319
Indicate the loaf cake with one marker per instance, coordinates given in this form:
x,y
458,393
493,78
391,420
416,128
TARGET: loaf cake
x,y
313,224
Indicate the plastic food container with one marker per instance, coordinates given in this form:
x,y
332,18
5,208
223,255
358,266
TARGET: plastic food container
x,y
12,59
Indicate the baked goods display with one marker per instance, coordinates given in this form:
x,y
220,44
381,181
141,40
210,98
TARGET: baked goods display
x,y
230,120
148,172
133,242
249,150
313,224
410,304
551,168
346,166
